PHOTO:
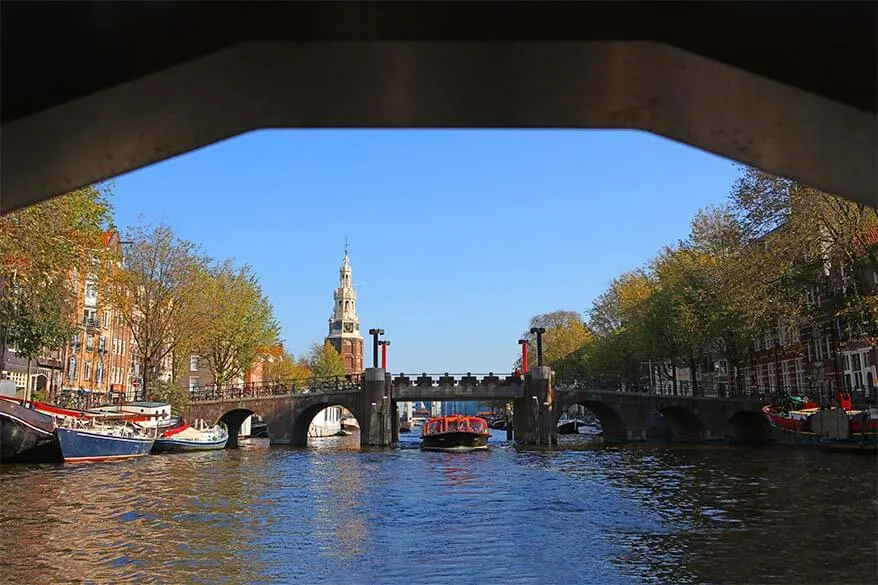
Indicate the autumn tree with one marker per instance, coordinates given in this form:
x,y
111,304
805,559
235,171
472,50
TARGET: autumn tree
x,y
284,368
158,292
240,321
563,342
325,361
40,247
616,319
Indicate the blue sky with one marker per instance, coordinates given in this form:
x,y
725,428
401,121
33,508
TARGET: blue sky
x,y
457,237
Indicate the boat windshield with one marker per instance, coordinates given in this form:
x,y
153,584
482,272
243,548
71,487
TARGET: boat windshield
x,y
477,426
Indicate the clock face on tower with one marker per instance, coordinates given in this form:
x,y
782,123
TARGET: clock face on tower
x,y
348,327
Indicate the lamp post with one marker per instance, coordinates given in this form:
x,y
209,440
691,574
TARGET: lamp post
x,y
384,343
523,343
375,333
538,331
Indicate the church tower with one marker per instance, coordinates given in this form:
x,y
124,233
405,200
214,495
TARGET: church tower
x,y
344,325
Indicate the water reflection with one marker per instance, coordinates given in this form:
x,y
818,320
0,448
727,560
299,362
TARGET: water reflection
x,y
632,514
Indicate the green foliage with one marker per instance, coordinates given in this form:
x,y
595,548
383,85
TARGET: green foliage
x,y
159,294
39,247
283,368
240,321
325,361
746,266
168,391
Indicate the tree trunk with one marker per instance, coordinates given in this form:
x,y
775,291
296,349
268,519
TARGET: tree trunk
x,y
674,377
144,380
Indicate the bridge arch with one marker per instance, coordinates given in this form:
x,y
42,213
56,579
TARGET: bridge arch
x,y
612,425
233,419
749,427
684,424
302,420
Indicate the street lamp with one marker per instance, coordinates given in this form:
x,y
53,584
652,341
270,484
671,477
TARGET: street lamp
x,y
375,333
384,343
538,331
523,343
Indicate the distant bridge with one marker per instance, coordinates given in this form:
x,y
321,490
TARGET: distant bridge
x,y
289,408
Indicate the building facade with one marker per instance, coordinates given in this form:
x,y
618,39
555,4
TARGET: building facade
x,y
344,325
99,359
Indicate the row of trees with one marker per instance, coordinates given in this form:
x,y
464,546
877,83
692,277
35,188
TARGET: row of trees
x,y
753,264
175,299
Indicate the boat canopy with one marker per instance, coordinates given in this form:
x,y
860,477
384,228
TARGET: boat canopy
x,y
455,424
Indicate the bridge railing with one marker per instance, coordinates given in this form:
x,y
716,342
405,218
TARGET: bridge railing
x,y
274,388
861,396
425,380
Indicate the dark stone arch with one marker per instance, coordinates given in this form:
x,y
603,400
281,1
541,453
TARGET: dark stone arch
x,y
233,420
614,428
684,424
305,416
749,427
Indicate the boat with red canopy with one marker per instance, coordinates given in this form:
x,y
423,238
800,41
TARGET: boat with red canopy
x,y
455,433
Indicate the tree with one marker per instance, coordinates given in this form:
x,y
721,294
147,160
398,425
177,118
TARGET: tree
x,y
158,293
812,241
325,361
617,319
283,368
565,334
174,394
240,322
41,246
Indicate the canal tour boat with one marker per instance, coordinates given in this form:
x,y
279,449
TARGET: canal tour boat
x,y
184,437
455,433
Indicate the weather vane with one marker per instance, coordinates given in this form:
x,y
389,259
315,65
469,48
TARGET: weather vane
x,y
346,246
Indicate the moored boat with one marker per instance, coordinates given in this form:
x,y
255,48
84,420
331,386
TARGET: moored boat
x,y
455,433
26,435
184,438
569,426
93,439
798,421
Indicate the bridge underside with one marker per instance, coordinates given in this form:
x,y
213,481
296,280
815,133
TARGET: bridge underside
x,y
89,93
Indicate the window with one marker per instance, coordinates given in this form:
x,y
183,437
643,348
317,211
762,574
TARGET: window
x,y
89,318
86,370
105,322
121,347
193,382
99,373
828,347
193,363
71,369
89,342
102,344
91,293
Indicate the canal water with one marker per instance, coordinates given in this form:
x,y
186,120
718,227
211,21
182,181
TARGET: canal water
x,y
330,514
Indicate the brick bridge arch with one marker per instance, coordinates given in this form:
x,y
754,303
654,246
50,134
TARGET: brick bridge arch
x,y
287,416
631,414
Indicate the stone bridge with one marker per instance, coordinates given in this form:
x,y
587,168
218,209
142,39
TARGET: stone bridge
x,y
635,416
537,406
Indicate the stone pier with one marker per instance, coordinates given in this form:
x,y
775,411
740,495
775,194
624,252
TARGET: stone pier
x,y
376,408
534,413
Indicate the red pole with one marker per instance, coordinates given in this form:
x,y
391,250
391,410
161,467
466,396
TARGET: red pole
x,y
384,356
524,357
